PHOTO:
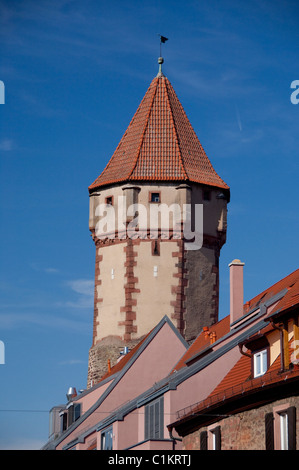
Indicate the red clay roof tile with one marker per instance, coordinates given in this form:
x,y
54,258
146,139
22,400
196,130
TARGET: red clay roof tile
x,y
159,144
221,328
290,282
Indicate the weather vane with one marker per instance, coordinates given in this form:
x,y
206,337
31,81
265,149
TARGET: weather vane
x,y
163,39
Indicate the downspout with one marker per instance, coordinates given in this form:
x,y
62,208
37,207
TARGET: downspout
x,y
174,439
243,352
280,329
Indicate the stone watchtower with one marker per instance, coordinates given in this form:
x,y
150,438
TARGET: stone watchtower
x,y
144,273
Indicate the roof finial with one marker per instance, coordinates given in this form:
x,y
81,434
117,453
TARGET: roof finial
x,y
163,39
160,62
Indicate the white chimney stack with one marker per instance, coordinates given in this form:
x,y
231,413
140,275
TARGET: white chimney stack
x,y
236,290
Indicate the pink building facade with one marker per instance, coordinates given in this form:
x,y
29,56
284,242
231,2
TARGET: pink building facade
x,y
138,404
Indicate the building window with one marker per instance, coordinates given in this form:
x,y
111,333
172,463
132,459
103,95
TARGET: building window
x,y
260,363
74,412
63,421
109,200
154,420
283,422
215,438
154,197
280,428
156,248
107,439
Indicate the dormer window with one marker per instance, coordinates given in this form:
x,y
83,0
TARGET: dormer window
x,y
73,413
260,363
260,349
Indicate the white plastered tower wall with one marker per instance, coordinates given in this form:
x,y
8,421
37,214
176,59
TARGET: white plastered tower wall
x,y
140,280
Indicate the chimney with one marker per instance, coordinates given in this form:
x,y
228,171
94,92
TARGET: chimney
x,y
236,290
206,332
213,337
71,393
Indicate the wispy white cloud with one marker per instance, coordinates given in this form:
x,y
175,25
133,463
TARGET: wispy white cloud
x,y
48,269
82,286
51,270
85,290
42,308
21,319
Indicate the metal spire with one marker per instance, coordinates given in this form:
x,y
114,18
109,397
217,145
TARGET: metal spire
x,y
163,39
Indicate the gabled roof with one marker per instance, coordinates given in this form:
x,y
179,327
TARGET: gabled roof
x,y
292,296
238,383
159,144
239,378
125,359
290,283
288,288
115,376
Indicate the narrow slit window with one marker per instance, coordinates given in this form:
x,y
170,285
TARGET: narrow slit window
x,y
155,248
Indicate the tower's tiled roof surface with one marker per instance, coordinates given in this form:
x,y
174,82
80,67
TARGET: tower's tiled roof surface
x,y
159,144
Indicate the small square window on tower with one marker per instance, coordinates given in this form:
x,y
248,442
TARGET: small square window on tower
x,y
109,200
154,197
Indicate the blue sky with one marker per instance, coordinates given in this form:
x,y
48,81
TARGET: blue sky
x,y
74,74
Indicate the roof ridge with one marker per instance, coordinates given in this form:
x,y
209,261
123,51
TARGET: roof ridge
x,y
145,127
276,284
174,129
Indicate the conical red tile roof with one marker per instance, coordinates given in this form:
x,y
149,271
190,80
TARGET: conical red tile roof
x,y
159,144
